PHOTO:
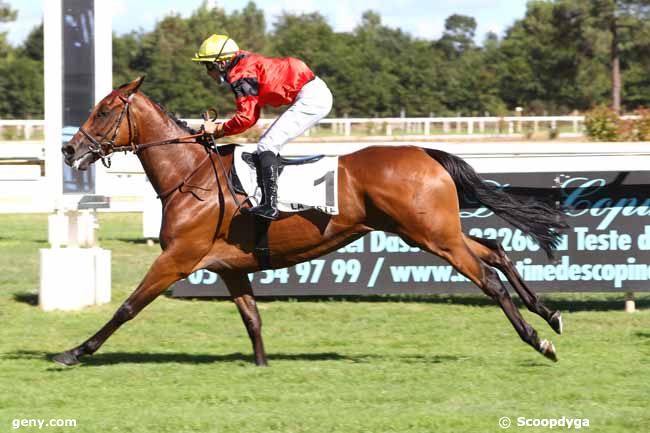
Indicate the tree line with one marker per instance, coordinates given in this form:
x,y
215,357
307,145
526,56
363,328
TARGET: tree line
x,y
562,56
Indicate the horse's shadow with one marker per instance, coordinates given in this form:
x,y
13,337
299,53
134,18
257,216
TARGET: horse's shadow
x,y
113,358
26,298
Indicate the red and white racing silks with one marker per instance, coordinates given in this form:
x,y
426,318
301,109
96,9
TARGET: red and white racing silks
x,y
258,81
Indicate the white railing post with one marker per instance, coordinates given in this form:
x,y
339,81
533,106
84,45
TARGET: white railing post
x,y
427,128
348,128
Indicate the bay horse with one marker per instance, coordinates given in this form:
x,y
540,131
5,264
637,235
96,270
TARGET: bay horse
x,y
409,191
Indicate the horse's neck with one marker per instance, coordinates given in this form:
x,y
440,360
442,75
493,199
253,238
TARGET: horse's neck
x,y
169,164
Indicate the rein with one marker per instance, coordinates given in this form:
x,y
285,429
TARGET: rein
x,y
104,147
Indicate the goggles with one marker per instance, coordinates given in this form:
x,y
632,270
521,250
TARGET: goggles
x,y
211,66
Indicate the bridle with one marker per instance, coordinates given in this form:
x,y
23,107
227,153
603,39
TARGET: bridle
x,y
104,147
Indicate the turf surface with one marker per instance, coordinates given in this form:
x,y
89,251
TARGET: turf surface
x,y
387,364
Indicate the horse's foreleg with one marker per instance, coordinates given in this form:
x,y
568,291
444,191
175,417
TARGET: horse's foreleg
x,y
242,294
493,254
163,272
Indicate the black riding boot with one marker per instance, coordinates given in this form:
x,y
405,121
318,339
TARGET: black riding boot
x,y
268,169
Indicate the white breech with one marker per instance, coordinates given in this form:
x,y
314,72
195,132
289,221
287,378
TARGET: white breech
x,y
313,102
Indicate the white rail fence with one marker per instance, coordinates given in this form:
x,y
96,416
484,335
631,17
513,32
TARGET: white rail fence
x,y
388,126
25,129
23,187
436,126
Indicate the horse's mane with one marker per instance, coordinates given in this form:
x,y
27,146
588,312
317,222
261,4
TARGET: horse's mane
x,y
183,124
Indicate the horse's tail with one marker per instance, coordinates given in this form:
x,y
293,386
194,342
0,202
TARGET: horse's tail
x,y
536,219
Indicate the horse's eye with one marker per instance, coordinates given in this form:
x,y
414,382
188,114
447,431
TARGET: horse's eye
x,y
102,114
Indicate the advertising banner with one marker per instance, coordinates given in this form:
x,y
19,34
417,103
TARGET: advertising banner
x,y
606,248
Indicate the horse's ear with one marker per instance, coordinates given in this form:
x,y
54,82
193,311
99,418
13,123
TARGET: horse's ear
x,y
132,87
139,81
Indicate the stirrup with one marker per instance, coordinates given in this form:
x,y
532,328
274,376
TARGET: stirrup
x,y
263,211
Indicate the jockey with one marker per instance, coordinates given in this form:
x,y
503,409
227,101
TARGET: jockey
x,y
258,81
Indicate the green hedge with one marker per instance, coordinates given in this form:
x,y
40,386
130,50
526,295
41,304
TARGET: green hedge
x,y
604,124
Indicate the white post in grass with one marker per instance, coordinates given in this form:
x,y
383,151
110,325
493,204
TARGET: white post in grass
x,y
74,272
630,305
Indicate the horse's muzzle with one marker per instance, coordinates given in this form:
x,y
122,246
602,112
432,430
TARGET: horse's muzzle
x,y
68,153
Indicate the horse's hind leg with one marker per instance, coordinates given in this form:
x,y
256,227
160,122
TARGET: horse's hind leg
x,y
493,254
461,257
435,227
486,278
242,294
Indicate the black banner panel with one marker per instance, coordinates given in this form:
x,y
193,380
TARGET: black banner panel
x,y
607,247
78,83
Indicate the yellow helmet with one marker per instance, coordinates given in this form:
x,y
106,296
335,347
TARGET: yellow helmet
x,y
216,47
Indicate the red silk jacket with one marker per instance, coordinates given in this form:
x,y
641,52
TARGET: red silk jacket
x,y
258,81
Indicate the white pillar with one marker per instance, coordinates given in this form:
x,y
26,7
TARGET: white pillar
x,y
88,281
53,92
72,277
103,74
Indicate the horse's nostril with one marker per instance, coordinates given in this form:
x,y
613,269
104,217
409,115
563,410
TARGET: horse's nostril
x,y
67,150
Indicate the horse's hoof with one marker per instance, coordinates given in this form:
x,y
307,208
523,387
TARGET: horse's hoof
x,y
66,358
556,322
547,349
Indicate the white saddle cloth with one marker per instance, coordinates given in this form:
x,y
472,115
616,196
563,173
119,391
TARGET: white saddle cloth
x,y
300,187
